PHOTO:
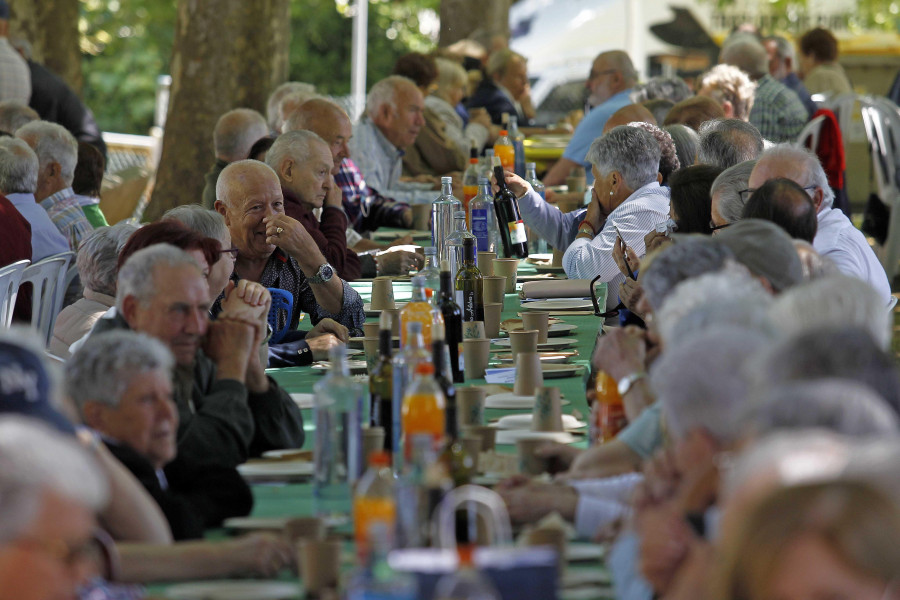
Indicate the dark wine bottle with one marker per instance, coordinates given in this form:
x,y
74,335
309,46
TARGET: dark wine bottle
x,y
509,219
452,314
381,383
470,285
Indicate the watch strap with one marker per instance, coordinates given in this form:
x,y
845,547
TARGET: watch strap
x,y
626,383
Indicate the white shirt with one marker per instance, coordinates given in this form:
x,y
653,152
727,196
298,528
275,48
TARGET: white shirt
x,y
839,240
602,501
46,239
637,216
15,76
463,137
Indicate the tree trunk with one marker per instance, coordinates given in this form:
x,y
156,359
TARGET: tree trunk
x,y
478,20
228,54
51,27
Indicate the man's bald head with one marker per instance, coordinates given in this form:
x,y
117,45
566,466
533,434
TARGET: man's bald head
x,y
235,133
786,204
240,178
629,114
327,120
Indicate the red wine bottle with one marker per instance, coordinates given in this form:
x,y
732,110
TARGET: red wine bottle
x,y
509,219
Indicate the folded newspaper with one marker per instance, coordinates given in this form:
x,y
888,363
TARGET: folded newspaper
x,y
560,288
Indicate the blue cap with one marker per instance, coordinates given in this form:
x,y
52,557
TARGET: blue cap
x,y
25,386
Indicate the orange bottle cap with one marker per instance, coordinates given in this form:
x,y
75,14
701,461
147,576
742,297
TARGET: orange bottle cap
x,y
504,132
425,369
379,458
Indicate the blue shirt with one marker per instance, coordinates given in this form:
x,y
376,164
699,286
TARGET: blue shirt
x,y
591,127
46,239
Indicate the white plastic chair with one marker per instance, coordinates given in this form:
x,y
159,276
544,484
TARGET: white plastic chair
x,y
47,278
812,130
881,119
10,276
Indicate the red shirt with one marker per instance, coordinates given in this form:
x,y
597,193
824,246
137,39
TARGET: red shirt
x,y
15,232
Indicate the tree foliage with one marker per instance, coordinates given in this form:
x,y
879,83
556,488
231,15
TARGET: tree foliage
x,y
794,15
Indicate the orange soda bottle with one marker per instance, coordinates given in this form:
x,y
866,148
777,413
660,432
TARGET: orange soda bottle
x,y
608,412
505,151
418,310
470,182
423,410
373,503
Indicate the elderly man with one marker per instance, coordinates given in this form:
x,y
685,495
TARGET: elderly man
x,y
57,154
727,199
18,182
235,133
395,113
304,163
276,115
276,251
15,114
727,142
228,409
505,89
782,58
49,497
777,111
786,204
836,237
610,83
121,382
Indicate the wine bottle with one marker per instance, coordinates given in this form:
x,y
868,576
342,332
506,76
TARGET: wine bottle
x,y
509,219
469,285
381,383
452,320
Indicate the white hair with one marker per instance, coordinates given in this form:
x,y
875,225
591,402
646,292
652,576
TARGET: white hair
x,y
747,313
291,104
235,171
833,299
747,54
451,75
18,167
729,83
295,145
207,223
702,384
385,92
727,142
15,114
273,113
34,460
728,185
102,369
783,48
136,275
98,257
236,131
679,262
808,170
631,151
52,143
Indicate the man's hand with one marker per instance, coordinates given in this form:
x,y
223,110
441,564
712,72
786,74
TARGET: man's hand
x,y
247,301
260,554
530,503
595,214
655,239
407,216
405,240
619,255
229,343
631,292
329,326
399,262
516,184
295,240
335,196
665,540
619,352
321,345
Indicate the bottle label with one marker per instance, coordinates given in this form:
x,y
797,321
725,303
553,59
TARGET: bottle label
x,y
480,229
517,232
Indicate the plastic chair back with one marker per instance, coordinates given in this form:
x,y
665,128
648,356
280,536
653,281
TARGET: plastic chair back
x,y
811,131
280,313
47,278
10,276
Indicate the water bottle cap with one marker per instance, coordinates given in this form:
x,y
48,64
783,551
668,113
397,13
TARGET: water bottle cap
x,y
459,214
530,165
418,281
430,250
483,180
446,180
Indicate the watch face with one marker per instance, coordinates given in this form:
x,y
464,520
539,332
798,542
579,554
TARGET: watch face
x,y
326,272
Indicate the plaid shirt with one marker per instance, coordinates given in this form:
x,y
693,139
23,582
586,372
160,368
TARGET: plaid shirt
x,y
15,76
66,214
366,209
777,111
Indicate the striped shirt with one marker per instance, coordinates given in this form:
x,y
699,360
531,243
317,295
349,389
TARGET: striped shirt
x,y
639,214
777,111
66,214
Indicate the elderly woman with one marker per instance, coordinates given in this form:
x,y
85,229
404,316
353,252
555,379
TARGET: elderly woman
x,y
452,87
96,262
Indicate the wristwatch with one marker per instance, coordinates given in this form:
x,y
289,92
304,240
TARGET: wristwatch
x,y
626,383
323,275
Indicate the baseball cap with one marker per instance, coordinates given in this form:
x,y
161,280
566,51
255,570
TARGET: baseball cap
x,y
25,386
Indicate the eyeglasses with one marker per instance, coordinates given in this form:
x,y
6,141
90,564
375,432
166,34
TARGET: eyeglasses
x,y
745,194
595,74
233,251
713,227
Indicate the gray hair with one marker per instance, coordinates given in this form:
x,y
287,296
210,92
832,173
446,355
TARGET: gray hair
x,y
385,92
846,407
273,105
747,54
808,171
702,384
98,257
633,152
746,313
687,143
207,223
732,283
815,266
728,185
236,131
668,156
18,167
673,89
307,116
103,367
52,143
730,84
34,460
291,104
451,74
679,262
15,114
836,298
235,171
136,275
500,60
727,142
783,48
295,145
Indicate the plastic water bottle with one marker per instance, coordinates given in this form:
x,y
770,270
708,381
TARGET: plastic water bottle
x,y
443,210
431,271
540,244
518,142
483,218
338,414
455,243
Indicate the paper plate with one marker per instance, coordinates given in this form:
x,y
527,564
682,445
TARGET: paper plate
x,y
509,437
538,258
573,578
546,267
356,367
524,422
550,344
276,470
600,592
509,401
233,590
367,308
584,552
256,523
563,304
546,357
550,371
288,454
303,400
